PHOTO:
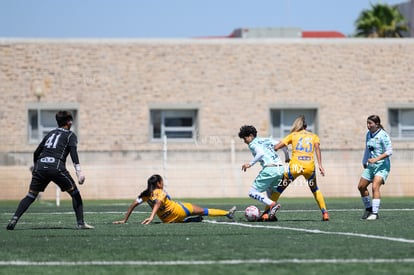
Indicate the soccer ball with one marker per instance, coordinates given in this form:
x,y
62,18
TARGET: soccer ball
x,y
252,213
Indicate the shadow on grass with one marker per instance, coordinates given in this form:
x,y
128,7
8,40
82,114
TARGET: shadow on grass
x,y
45,228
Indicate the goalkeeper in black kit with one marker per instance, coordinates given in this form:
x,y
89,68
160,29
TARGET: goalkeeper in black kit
x,y
50,165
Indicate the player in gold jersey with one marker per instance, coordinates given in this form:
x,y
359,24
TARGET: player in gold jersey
x,y
305,145
168,210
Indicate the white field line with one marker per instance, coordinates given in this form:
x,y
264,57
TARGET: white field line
x,y
137,211
251,225
234,261
314,231
222,262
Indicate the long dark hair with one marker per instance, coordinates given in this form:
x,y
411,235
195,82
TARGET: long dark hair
x,y
151,185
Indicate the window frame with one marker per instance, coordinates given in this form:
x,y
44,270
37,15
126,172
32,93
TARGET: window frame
x,y
44,129
284,128
166,112
400,127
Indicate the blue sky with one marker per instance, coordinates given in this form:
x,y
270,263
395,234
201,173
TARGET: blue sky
x,y
172,18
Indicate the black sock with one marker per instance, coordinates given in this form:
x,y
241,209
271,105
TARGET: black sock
x,y
24,205
369,209
77,205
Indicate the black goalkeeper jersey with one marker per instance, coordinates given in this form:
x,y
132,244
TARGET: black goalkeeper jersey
x,y
54,149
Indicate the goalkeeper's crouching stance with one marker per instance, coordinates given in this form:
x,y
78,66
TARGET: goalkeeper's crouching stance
x,y
49,165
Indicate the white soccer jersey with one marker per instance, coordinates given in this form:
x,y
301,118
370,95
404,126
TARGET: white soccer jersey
x,y
377,144
263,151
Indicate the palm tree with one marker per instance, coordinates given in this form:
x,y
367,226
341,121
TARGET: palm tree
x,y
381,21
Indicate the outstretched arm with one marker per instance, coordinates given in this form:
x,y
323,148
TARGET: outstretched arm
x,y
128,213
280,145
286,152
258,156
319,158
153,213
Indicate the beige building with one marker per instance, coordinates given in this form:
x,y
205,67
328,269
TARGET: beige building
x,y
127,95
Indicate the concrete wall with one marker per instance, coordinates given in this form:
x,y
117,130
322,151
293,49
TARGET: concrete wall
x,y
231,81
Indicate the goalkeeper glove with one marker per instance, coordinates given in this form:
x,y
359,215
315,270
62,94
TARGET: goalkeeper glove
x,y
79,174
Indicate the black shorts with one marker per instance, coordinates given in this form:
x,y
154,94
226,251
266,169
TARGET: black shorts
x,y
42,177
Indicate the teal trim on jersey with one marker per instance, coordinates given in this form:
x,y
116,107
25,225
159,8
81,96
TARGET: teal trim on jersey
x,y
265,145
377,144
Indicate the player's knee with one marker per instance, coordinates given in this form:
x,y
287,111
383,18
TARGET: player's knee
x,y
74,191
362,188
32,194
314,188
76,198
280,189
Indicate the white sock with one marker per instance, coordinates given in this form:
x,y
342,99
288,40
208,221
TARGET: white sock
x,y
367,201
375,205
254,194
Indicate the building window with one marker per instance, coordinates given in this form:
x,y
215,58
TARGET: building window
x,y
42,121
401,122
282,120
174,124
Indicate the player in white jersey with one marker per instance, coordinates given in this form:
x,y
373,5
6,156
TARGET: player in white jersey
x,y
376,162
271,175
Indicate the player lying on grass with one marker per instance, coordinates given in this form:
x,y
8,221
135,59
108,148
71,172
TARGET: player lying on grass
x,y
170,211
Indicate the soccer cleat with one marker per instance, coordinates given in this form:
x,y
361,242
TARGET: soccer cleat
x,y
325,216
272,219
366,214
372,217
230,215
273,209
84,226
12,224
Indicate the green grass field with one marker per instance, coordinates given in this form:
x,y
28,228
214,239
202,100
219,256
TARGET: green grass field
x,y
45,241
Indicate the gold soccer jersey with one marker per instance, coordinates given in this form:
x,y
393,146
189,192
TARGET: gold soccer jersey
x,y
169,211
303,150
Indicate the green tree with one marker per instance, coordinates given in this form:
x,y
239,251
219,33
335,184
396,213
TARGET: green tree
x,y
381,20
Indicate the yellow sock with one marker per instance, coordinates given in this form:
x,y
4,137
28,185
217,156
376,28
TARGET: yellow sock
x,y
275,196
217,212
319,200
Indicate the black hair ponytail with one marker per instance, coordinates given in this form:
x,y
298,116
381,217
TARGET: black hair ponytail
x,y
151,185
